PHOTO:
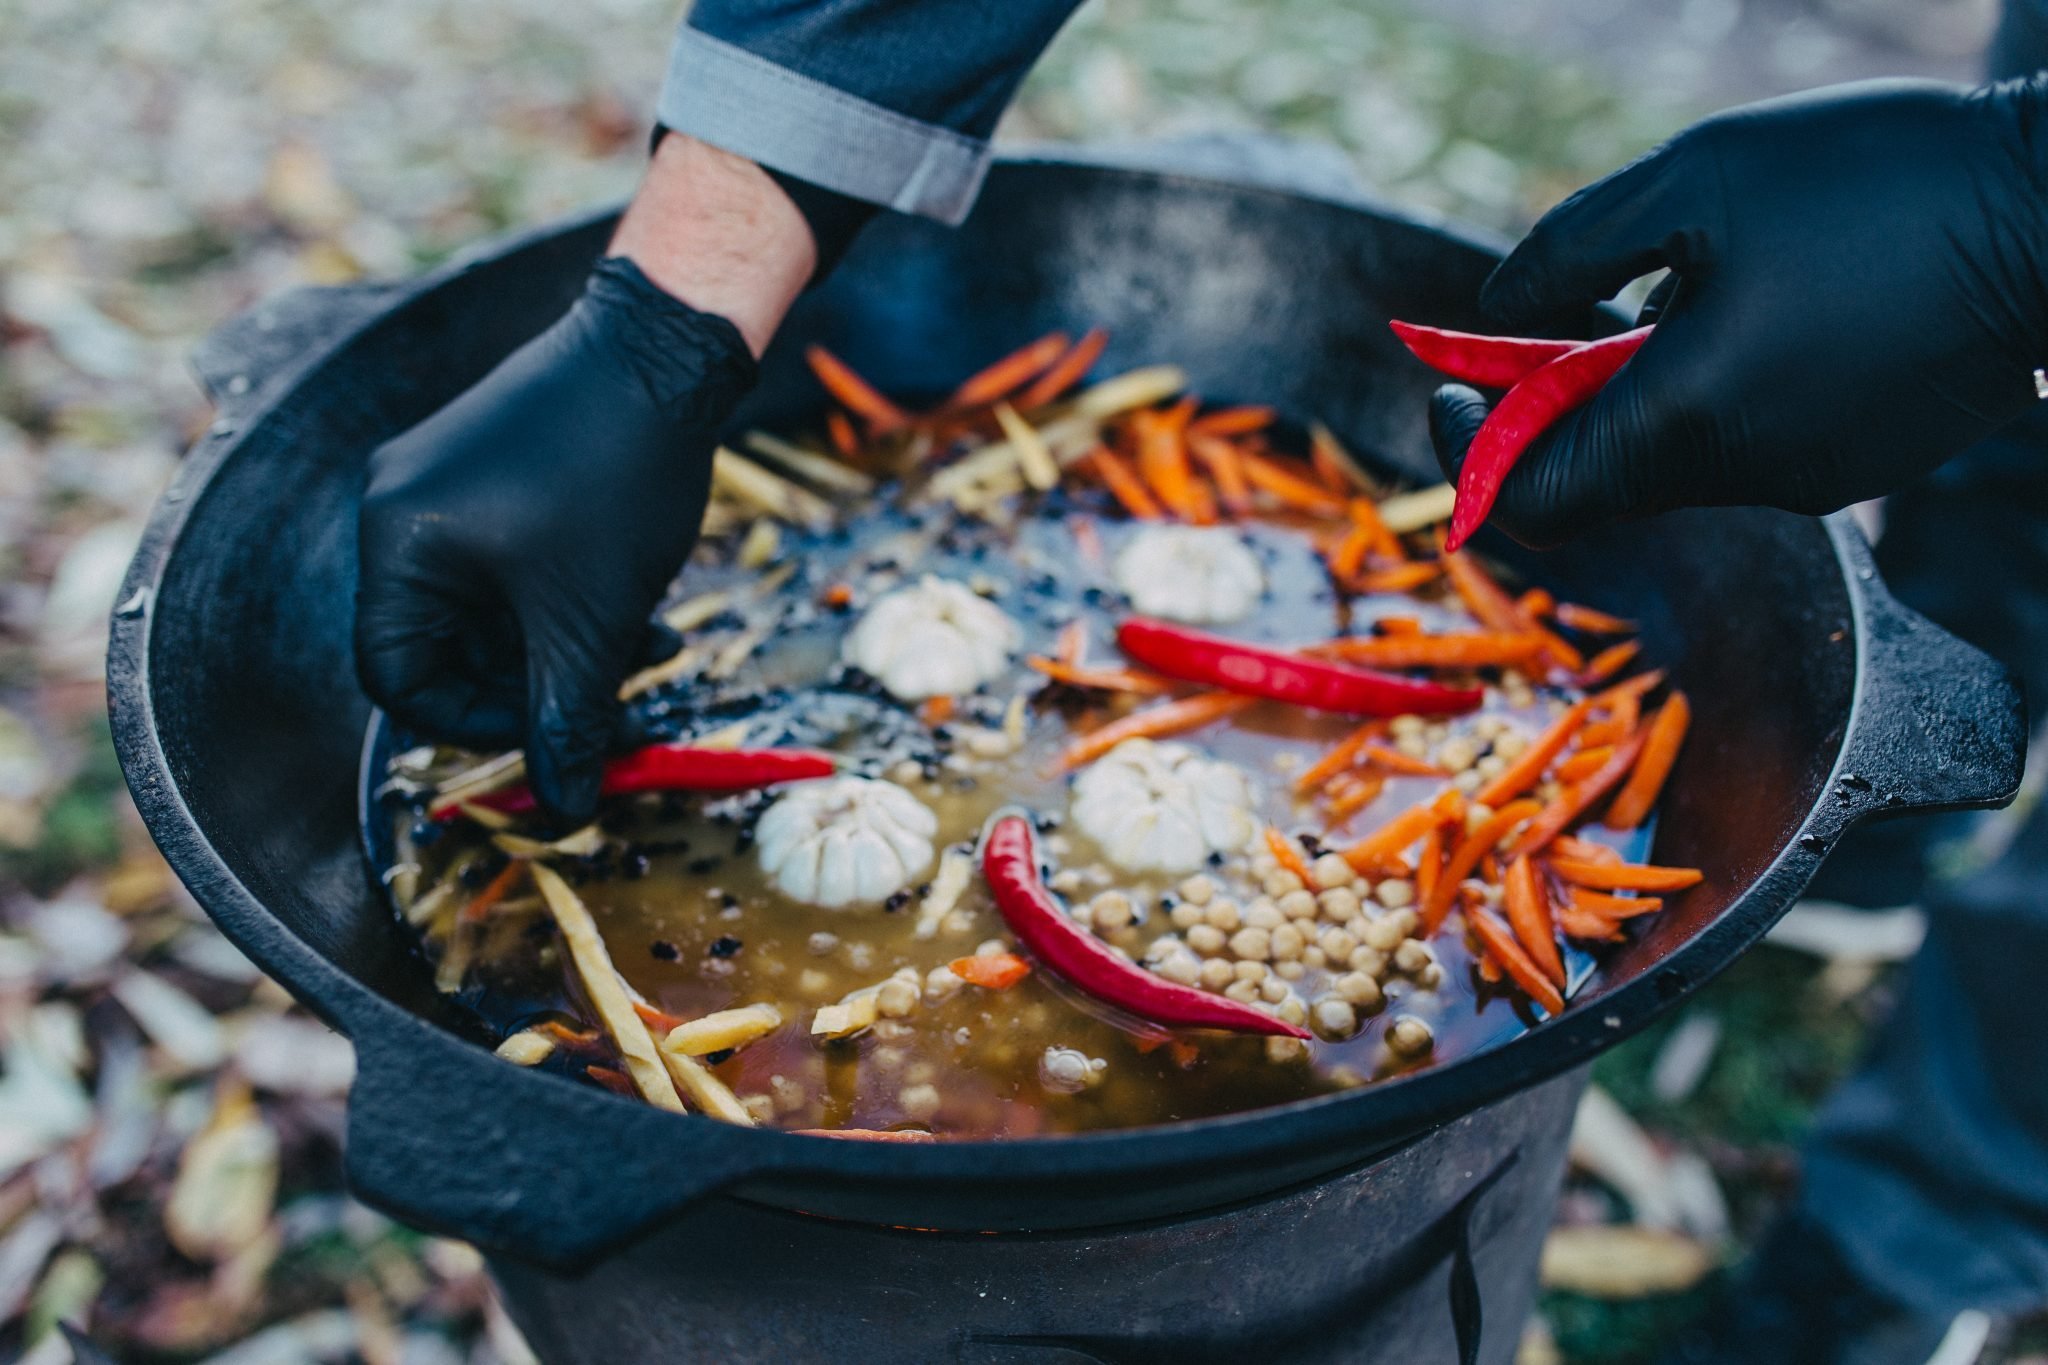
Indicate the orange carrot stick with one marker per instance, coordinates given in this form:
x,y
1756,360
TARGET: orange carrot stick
x,y
1065,372
493,892
1609,662
660,1022
1605,732
1349,555
1488,601
1397,625
1536,603
1592,621
1330,471
1238,421
1289,854
935,710
1578,798
1373,852
839,430
991,971
1527,769
1365,515
1465,856
854,393
1614,907
1101,679
1429,864
1528,907
1666,736
1641,685
1163,464
1584,763
1588,927
1398,578
1625,876
1290,489
1010,373
1342,756
1124,485
1359,793
1154,722
1468,649
1394,761
1501,945
1226,466
1572,846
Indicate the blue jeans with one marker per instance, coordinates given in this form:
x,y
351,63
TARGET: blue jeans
x,y
1929,1167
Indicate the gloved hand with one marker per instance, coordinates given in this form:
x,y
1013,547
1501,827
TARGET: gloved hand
x,y
1859,291
516,543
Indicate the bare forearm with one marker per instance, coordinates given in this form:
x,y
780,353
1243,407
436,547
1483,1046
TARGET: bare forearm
x,y
715,231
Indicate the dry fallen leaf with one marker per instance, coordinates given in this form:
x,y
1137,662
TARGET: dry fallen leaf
x,y
1618,1262
226,1185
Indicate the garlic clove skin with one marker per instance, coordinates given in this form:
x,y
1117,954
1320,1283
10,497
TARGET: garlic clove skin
x,y
1163,807
845,841
1193,574
935,638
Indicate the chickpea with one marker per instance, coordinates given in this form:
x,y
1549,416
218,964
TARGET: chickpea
x,y
1243,992
1401,726
1293,1010
896,999
1367,959
1412,746
1359,990
1185,915
1337,944
1299,905
1333,1018
1490,767
1263,914
1412,956
1285,1049
1395,892
1314,958
1338,904
1330,871
1216,974
1290,971
1273,990
1183,968
1256,944
919,1103
1066,881
1113,911
1467,781
1286,943
1383,934
1279,882
941,983
1207,939
1254,972
1457,753
1407,920
1510,746
1409,1037
1264,865
1198,889
1224,915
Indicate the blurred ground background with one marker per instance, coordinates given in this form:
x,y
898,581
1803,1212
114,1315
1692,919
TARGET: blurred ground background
x,y
169,1124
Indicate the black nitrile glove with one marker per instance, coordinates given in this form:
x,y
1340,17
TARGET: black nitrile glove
x,y
515,544
1859,291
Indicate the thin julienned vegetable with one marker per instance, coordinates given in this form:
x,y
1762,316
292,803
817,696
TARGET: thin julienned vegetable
x,y
1625,876
1502,945
856,394
1631,805
1009,863
1069,370
1465,856
1154,722
1578,798
1528,906
1254,670
1525,413
1013,371
991,971
1471,649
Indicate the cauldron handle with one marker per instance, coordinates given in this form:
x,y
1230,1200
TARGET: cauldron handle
x,y
1938,724
443,1136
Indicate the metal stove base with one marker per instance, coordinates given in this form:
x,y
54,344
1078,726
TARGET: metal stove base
x,y
1426,1256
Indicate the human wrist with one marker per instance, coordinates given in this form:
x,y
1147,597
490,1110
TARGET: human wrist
x,y
715,231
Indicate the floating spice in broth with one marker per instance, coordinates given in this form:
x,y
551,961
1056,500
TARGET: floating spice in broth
x,y
1062,757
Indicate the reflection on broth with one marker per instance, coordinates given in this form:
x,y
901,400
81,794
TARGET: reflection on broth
x,y
911,638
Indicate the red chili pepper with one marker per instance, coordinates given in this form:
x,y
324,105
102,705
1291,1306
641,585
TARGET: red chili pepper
x,y
1490,362
1009,861
1292,678
1523,415
677,768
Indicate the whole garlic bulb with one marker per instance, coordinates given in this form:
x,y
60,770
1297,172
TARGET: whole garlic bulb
x,y
1163,807
845,841
1199,575
935,638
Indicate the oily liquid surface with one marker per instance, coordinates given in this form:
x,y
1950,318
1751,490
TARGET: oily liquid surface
x,y
694,925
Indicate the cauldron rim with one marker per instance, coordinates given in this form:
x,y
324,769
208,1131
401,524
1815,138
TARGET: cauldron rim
x,y
774,1161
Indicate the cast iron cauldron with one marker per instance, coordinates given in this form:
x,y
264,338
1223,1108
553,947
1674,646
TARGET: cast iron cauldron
x,y
1819,702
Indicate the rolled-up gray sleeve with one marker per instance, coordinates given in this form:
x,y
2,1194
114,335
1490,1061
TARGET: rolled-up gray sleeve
x,y
889,101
